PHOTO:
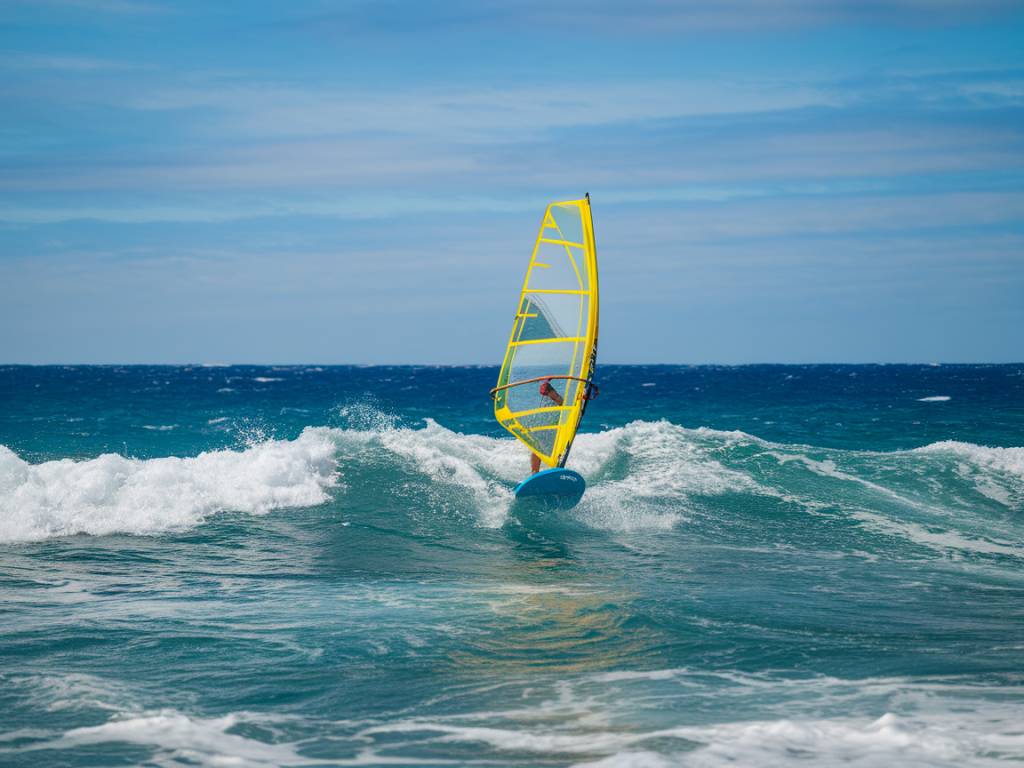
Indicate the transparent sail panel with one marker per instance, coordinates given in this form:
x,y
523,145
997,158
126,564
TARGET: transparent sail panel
x,y
568,221
538,360
554,335
558,267
552,316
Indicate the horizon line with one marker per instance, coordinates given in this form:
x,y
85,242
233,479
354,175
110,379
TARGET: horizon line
x,y
932,364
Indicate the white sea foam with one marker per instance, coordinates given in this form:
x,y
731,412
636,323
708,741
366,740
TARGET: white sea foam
x,y
945,541
595,721
664,465
937,722
643,476
997,473
70,691
828,468
178,738
639,476
633,759
1008,460
112,493
665,468
937,526
266,379
481,465
933,739
935,399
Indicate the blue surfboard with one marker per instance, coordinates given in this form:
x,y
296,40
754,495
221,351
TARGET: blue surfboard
x,y
560,486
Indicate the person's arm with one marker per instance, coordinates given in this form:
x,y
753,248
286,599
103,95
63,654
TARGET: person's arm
x,y
550,392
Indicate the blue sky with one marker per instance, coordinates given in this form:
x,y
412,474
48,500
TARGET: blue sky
x,y
774,181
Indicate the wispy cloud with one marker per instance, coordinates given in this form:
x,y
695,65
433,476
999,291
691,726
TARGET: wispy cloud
x,y
711,159
703,135
58,63
478,114
655,17
758,159
970,89
129,7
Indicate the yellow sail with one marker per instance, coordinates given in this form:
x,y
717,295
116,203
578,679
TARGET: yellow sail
x,y
554,336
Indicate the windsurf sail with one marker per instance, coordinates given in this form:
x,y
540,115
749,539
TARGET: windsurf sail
x,y
554,336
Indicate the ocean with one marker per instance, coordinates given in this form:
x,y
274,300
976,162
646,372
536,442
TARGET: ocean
x,y
312,565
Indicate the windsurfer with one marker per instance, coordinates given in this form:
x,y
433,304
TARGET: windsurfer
x,y
546,390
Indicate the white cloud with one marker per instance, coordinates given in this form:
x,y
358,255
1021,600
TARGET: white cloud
x,y
127,7
63,63
662,18
475,114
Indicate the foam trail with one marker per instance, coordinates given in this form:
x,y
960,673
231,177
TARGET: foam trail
x,y
938,740
114,494
989,737
180,738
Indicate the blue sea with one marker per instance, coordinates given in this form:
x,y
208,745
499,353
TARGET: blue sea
x,y
305,565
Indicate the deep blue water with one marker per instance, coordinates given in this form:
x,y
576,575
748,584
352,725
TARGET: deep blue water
x,y
307,565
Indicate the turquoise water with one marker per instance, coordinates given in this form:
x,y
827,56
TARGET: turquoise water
x,y
257,566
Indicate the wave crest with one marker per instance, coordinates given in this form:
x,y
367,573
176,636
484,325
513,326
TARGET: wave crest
x,y
641,476
115,494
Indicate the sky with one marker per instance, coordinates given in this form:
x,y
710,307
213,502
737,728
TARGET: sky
x,y
791,181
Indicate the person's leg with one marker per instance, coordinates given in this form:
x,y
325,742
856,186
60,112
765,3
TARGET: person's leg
x,y
534,463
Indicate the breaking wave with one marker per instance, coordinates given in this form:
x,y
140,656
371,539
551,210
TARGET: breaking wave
x,y
948,496
115,494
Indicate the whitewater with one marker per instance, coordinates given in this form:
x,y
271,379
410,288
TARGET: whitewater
x,y
265,566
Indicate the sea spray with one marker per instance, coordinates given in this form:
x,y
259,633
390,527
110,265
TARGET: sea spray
x,y
642,475
115,494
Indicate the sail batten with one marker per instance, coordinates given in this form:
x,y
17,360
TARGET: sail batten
x,y
554,335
